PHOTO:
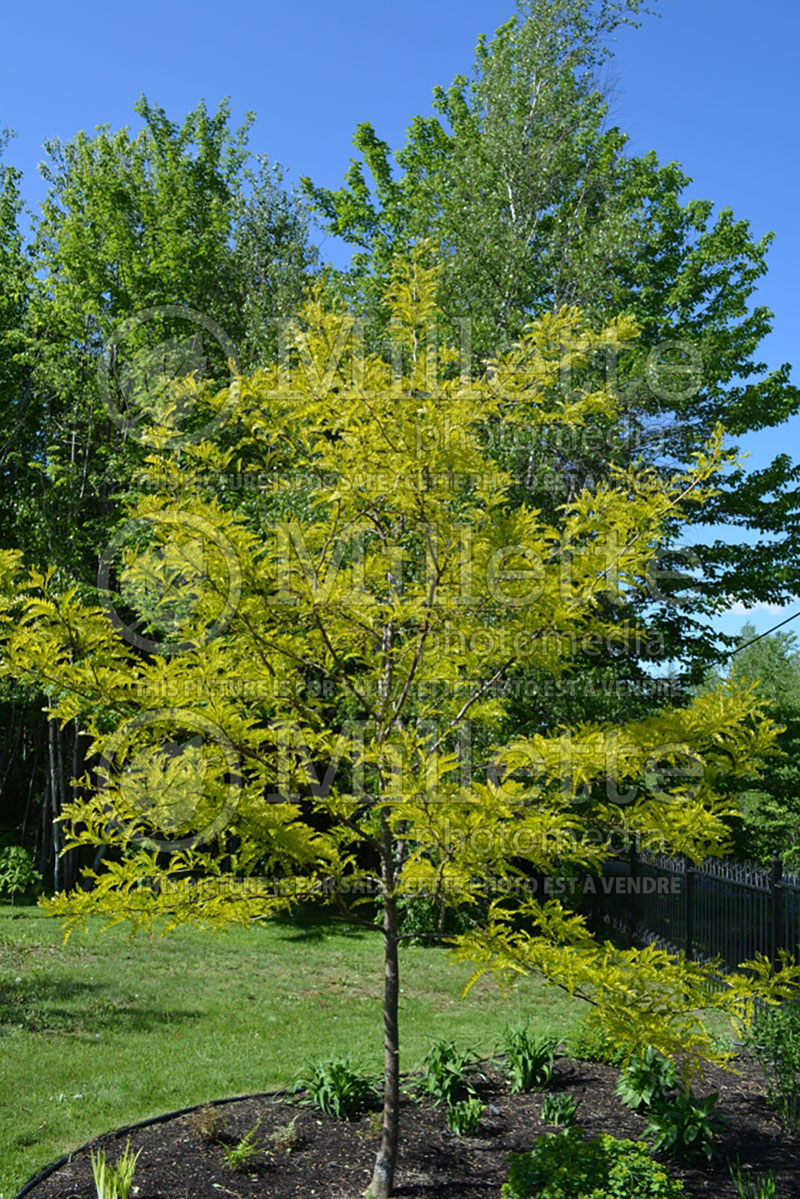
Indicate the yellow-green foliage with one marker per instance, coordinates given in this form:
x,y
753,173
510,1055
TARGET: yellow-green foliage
x,y
363,621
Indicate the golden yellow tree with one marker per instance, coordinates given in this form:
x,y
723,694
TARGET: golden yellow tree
x,y
359,626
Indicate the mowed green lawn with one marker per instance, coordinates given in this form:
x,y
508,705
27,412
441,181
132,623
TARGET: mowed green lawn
x,y
107,1030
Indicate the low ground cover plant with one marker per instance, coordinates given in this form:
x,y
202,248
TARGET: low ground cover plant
x,y
528,1058
566,1165
774,1041
286,1137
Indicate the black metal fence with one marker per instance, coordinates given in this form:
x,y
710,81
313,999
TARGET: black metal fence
x,y
719,909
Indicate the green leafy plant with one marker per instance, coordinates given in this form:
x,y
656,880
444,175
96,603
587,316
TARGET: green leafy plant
x,y
758,1186
446,1072
425,920
18,875
565,1165
646,1079
560,1109
528,1059
239,1154
338,1088
114,1182
774,1041
589,1043
465,1116
684,1127
286,1137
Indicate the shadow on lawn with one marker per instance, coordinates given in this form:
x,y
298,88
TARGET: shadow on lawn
x,y
45,1005
310,922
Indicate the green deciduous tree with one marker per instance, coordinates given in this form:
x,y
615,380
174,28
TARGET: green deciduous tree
x,y
289,720
19,439
769,801
535,203
160,254
156,254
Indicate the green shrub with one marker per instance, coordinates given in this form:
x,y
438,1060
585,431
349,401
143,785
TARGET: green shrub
x,y
646,1079
528,1059
465,1116
424,920
446,1072
337,1088
685,1126
560,1109
565,1165
18,875
774,1041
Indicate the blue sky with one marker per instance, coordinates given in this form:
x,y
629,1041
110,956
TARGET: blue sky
x,y
710,83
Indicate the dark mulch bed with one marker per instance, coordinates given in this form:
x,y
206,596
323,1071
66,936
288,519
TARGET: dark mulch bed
x,y
334,1159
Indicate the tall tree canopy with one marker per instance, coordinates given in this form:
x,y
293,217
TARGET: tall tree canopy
x,y
156,254
160,254
535,202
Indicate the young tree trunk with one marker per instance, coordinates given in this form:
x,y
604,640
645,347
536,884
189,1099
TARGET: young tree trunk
x,y
70,867
382,1183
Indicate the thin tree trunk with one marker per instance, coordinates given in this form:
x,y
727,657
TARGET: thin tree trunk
x,y
382,1184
